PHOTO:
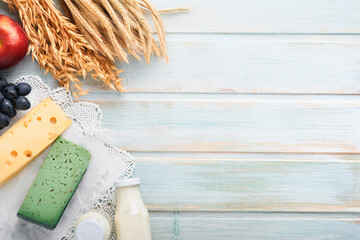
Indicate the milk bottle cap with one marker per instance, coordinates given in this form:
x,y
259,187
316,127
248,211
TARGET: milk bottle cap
x,y
89,229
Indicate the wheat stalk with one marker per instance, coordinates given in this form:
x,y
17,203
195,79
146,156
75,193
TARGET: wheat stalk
x,y
119,25
61,49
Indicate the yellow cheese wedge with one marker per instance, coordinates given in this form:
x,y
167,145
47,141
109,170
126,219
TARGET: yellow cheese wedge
x,y
30,136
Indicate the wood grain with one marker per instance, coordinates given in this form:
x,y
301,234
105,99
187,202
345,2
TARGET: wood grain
x,y
240,184
233,123
230,226
263,16
258,16
249,64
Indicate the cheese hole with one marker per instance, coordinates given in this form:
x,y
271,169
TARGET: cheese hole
x,y
39,119
53,120
28,154
14,154
8,164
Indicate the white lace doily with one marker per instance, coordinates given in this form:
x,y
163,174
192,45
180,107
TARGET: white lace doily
x,y
95,191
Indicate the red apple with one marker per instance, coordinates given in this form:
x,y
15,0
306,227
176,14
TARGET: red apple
x,y
14,43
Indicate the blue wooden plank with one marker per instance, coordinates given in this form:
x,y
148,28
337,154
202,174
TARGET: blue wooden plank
x,y
230,226
259,16
249,64
263,16
232,122
267,184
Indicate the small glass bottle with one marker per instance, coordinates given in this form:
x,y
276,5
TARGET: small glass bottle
x,y
93,226
131,216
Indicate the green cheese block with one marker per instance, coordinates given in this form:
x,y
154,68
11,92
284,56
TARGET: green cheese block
x,y
55,183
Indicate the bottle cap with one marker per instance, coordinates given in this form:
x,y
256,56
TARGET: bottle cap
x,y
127,182
89,230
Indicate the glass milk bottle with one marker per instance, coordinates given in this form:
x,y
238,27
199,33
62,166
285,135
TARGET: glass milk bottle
x,y
131,216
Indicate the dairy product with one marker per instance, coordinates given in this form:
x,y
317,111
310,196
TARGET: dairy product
x,y
31,135
131,216
55,183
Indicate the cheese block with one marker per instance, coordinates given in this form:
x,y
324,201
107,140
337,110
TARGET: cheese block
x,y
30,136
55,184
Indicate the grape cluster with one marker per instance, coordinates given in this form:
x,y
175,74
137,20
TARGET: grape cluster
x,y
12,98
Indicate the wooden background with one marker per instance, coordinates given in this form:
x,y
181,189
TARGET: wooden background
x,y
252,131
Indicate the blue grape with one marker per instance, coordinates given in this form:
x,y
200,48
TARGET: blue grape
x,y
13,113
23,89
22,103
9,93
6,106
4,120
